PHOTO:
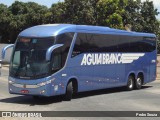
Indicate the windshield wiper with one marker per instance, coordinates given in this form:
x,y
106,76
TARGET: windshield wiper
x,y
40,75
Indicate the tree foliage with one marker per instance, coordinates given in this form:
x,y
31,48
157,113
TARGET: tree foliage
x,y
5,19
111,13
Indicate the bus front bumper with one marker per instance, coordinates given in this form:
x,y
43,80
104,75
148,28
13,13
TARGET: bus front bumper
x,y
45,88
41,91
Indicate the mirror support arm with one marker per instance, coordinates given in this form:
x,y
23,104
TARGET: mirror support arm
x,y
4,50
50,50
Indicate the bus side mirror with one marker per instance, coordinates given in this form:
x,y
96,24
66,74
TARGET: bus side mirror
x,y
50,50
5,49
0,66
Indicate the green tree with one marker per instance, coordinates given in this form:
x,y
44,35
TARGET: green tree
x,y
37,13
79,12
110,13
26,15
133,16
5,18
158,39
58,12
150,23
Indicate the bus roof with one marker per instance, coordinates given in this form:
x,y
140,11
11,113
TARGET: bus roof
x,y
49,30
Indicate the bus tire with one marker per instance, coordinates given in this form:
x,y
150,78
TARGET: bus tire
x,y
130,83
69,92
138,83
36,97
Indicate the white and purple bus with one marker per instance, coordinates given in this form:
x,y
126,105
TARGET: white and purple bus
x,y
63,59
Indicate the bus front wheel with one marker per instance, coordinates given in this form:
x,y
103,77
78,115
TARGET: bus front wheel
x,y
36,97
69,91
130,83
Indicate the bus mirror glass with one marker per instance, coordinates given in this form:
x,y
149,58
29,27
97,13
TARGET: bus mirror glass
x,y
5,49
51,49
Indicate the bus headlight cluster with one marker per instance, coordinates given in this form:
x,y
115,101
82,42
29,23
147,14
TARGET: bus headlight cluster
x,y
11,80
46,82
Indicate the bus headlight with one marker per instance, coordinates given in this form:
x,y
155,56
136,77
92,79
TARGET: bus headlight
x,y
10,82
46,82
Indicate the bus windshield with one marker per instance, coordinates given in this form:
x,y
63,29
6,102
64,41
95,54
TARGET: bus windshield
x,y
29,56
28,60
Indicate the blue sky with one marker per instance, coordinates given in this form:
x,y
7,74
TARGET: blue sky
x,y
48,3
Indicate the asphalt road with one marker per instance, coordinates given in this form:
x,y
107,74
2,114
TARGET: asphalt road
x,y
117,99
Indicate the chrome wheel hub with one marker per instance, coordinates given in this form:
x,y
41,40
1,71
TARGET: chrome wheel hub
x,y
130,83
139,81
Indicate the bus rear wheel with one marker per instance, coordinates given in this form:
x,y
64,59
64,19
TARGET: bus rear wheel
x,y
130,83
69,92
138,83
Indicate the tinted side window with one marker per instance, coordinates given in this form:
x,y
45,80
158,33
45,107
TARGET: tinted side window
x,y
142,44
123,43
87,42
149,43
84,43
94,43
136,44
105,43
